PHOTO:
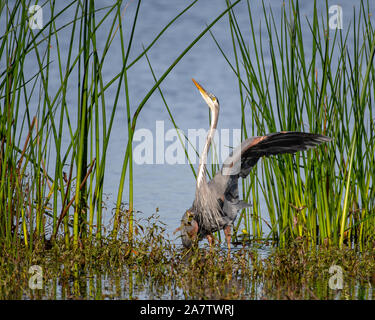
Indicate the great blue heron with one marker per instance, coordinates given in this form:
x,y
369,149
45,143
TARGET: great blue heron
x,y
217,202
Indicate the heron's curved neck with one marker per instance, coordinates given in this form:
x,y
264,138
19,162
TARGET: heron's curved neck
x,y
201,179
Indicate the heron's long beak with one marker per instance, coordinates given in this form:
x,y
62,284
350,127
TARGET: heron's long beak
x,y
201,90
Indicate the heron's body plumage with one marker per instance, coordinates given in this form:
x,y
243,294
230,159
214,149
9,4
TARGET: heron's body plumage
x,y
217,202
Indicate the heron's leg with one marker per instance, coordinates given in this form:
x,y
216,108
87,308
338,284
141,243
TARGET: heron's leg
x,y
210,239
228,236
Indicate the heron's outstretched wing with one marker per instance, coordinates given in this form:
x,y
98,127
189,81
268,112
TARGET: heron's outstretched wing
x,y
244,157
273,144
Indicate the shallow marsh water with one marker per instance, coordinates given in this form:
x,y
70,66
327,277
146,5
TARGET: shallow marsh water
x,y
132,285
168,272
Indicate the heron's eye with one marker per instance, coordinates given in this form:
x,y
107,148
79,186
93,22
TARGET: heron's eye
x,y
213,99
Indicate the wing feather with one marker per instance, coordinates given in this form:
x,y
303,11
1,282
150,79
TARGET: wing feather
x,y
245,157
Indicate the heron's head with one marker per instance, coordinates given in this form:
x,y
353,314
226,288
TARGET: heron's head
x,y
188,229
210,99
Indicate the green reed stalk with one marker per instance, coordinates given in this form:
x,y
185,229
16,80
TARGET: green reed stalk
x,y
347,193
35,154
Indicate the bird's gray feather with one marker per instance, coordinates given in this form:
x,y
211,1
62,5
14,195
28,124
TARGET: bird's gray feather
x,y
223,188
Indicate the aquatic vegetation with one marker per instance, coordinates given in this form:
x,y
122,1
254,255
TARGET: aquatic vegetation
x,y
153,267
52,169
318,80
319,205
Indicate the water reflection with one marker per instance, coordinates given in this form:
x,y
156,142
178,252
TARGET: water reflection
x,y
129,285
230,280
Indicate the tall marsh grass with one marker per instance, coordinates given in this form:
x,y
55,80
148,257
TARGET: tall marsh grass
x,y
52,167
315,80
